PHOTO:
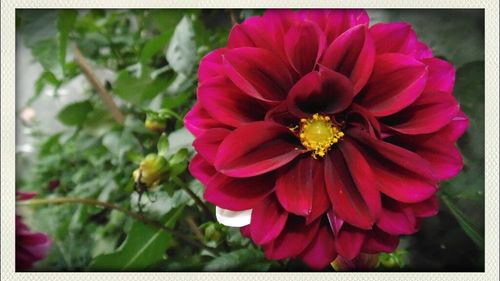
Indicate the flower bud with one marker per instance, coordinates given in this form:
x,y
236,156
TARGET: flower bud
x,y
156,121
150,170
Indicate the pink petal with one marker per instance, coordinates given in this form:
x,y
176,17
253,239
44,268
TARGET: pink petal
x,y
281,115
427,208
293,239
238,194
295,185
258,73
268,220
304,44
198,121
228,104
396,82
208,143
378,241
347,202
321,252
441,76
211,65
352,54
320,202
335,222
456,128
325,91
362,176
397,220
201,169
422,51
349,242
429,113
396,37
256,148
401,174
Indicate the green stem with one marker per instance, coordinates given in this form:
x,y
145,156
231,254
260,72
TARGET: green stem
x,y
107,205
196,199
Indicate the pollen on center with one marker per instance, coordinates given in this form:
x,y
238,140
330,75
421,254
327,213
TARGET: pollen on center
x,y
318,134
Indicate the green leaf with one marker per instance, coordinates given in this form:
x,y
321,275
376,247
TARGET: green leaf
x,y
466,225
75,113
65,23
46,78
143,248
181,52
240,259
45,52
154,46
135,89
37,25
162,145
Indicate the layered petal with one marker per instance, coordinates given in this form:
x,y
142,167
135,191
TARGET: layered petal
x,y
304,45
349,241
238,194
268,220
397,219
211,66
228,104
352,54
293,239
401,174
201,169
208,143
296,183
255,149
324,91
258,73
198,121
346,200
377,241
321,252
441,76
396,82
396,37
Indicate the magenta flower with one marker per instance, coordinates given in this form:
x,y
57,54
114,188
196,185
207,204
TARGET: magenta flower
x,y
30,246
331,136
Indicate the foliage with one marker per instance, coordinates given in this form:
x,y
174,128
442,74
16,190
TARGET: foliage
x,y
153,55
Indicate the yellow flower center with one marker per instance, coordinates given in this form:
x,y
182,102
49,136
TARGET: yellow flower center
x,y
318,134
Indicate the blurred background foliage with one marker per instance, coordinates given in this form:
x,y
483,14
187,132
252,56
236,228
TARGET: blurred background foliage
x,y
147,61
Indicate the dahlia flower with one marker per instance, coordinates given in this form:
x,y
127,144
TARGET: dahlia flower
x,y
30,246
328,136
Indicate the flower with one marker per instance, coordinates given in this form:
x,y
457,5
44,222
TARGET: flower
x,y
333,134
30,246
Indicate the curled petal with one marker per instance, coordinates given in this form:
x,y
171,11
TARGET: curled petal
x,y
233,218
397,220
256,148
258,73
427,208
304,44
352,54
325,91
268,220
238,194
211,65
396,82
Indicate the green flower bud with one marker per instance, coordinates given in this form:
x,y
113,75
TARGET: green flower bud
x,y
150,170
155,125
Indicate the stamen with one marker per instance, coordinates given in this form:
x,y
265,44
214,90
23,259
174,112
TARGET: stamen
x,y
318,134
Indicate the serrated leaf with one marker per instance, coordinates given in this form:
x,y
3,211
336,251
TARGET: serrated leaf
x,y
181,52
75,113
143,248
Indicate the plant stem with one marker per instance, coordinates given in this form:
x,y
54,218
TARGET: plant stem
x,y
195,197
107,205
101,90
